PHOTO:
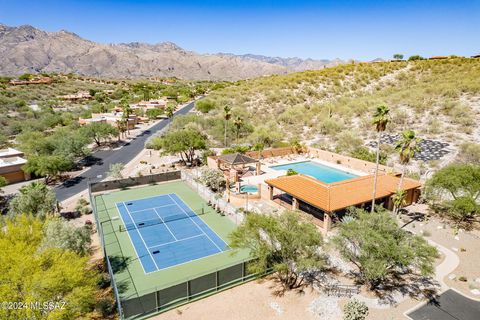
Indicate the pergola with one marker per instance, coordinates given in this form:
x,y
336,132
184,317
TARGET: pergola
x,y
237,162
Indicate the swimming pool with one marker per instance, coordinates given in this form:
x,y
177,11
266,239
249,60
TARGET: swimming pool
x,y
249,188
318,171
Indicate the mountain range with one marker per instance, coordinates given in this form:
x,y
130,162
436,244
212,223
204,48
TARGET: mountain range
x,y
26,49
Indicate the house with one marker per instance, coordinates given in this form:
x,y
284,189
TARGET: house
x,y
11,163
113,118
44,80
78,96
150,104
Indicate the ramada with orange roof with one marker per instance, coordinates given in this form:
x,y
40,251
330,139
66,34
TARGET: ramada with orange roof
x,y
325,201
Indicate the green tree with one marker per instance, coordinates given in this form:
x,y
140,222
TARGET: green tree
x,y
463,209
154,113
126,112
25,76
69,143
115,171
205,105
266,135
380,249
34,198
416,57
184,142
60,234
34,143
227,114
355,310
398,56
28,274
381,118
101,97
406,147
50,167
457,187
286,243
98,131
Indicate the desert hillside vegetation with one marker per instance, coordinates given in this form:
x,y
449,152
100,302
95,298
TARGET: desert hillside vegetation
x,y
332,108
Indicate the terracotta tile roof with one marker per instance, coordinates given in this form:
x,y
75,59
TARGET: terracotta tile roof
x,y
342,194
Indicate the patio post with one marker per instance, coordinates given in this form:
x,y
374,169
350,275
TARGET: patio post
x,y
295,204
270,191
327,221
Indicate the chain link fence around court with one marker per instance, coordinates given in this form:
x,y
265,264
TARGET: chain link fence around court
x,y
140,304
232,212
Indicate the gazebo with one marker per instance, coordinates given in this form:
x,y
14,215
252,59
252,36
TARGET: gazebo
x,y
235,164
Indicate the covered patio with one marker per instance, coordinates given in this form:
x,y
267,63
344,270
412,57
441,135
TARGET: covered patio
x,y
324,201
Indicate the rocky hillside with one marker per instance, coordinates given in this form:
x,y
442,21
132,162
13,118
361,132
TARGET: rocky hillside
x,y
332,108
27,49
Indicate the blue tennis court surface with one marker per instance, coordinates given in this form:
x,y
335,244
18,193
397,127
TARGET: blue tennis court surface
x,y
166,232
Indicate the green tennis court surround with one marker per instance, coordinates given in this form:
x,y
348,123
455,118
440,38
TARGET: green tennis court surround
x,y
142,293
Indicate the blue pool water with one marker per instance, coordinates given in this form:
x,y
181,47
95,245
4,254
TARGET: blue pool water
x,y
249,188
317,170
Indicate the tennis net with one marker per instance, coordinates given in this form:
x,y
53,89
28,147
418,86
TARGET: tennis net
x,y
172,217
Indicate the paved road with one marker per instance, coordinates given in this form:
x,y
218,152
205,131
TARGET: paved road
x,y
450,305
103,159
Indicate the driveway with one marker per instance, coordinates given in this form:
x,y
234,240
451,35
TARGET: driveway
x,y
451,305
100,161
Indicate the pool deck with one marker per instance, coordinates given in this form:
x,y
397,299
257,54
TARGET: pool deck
x,y
270,173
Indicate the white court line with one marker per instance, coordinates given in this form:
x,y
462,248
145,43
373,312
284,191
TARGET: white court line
x,y
196,223
188,238
202,220
146,247
168,205
179,264
165,224
133,245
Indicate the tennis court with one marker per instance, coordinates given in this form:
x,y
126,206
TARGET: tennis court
x,y
166,232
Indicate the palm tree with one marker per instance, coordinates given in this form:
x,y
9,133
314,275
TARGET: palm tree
x,y
380,119
227,114
238,123
127,111
406,148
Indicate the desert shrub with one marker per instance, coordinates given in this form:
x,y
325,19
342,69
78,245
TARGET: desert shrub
x,y
347,142
469,153
205,105
330,126
236,149
363,153
291,172
83,207
355,310
213,179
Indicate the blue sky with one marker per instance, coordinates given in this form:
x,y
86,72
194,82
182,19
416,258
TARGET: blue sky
x,y
318,29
